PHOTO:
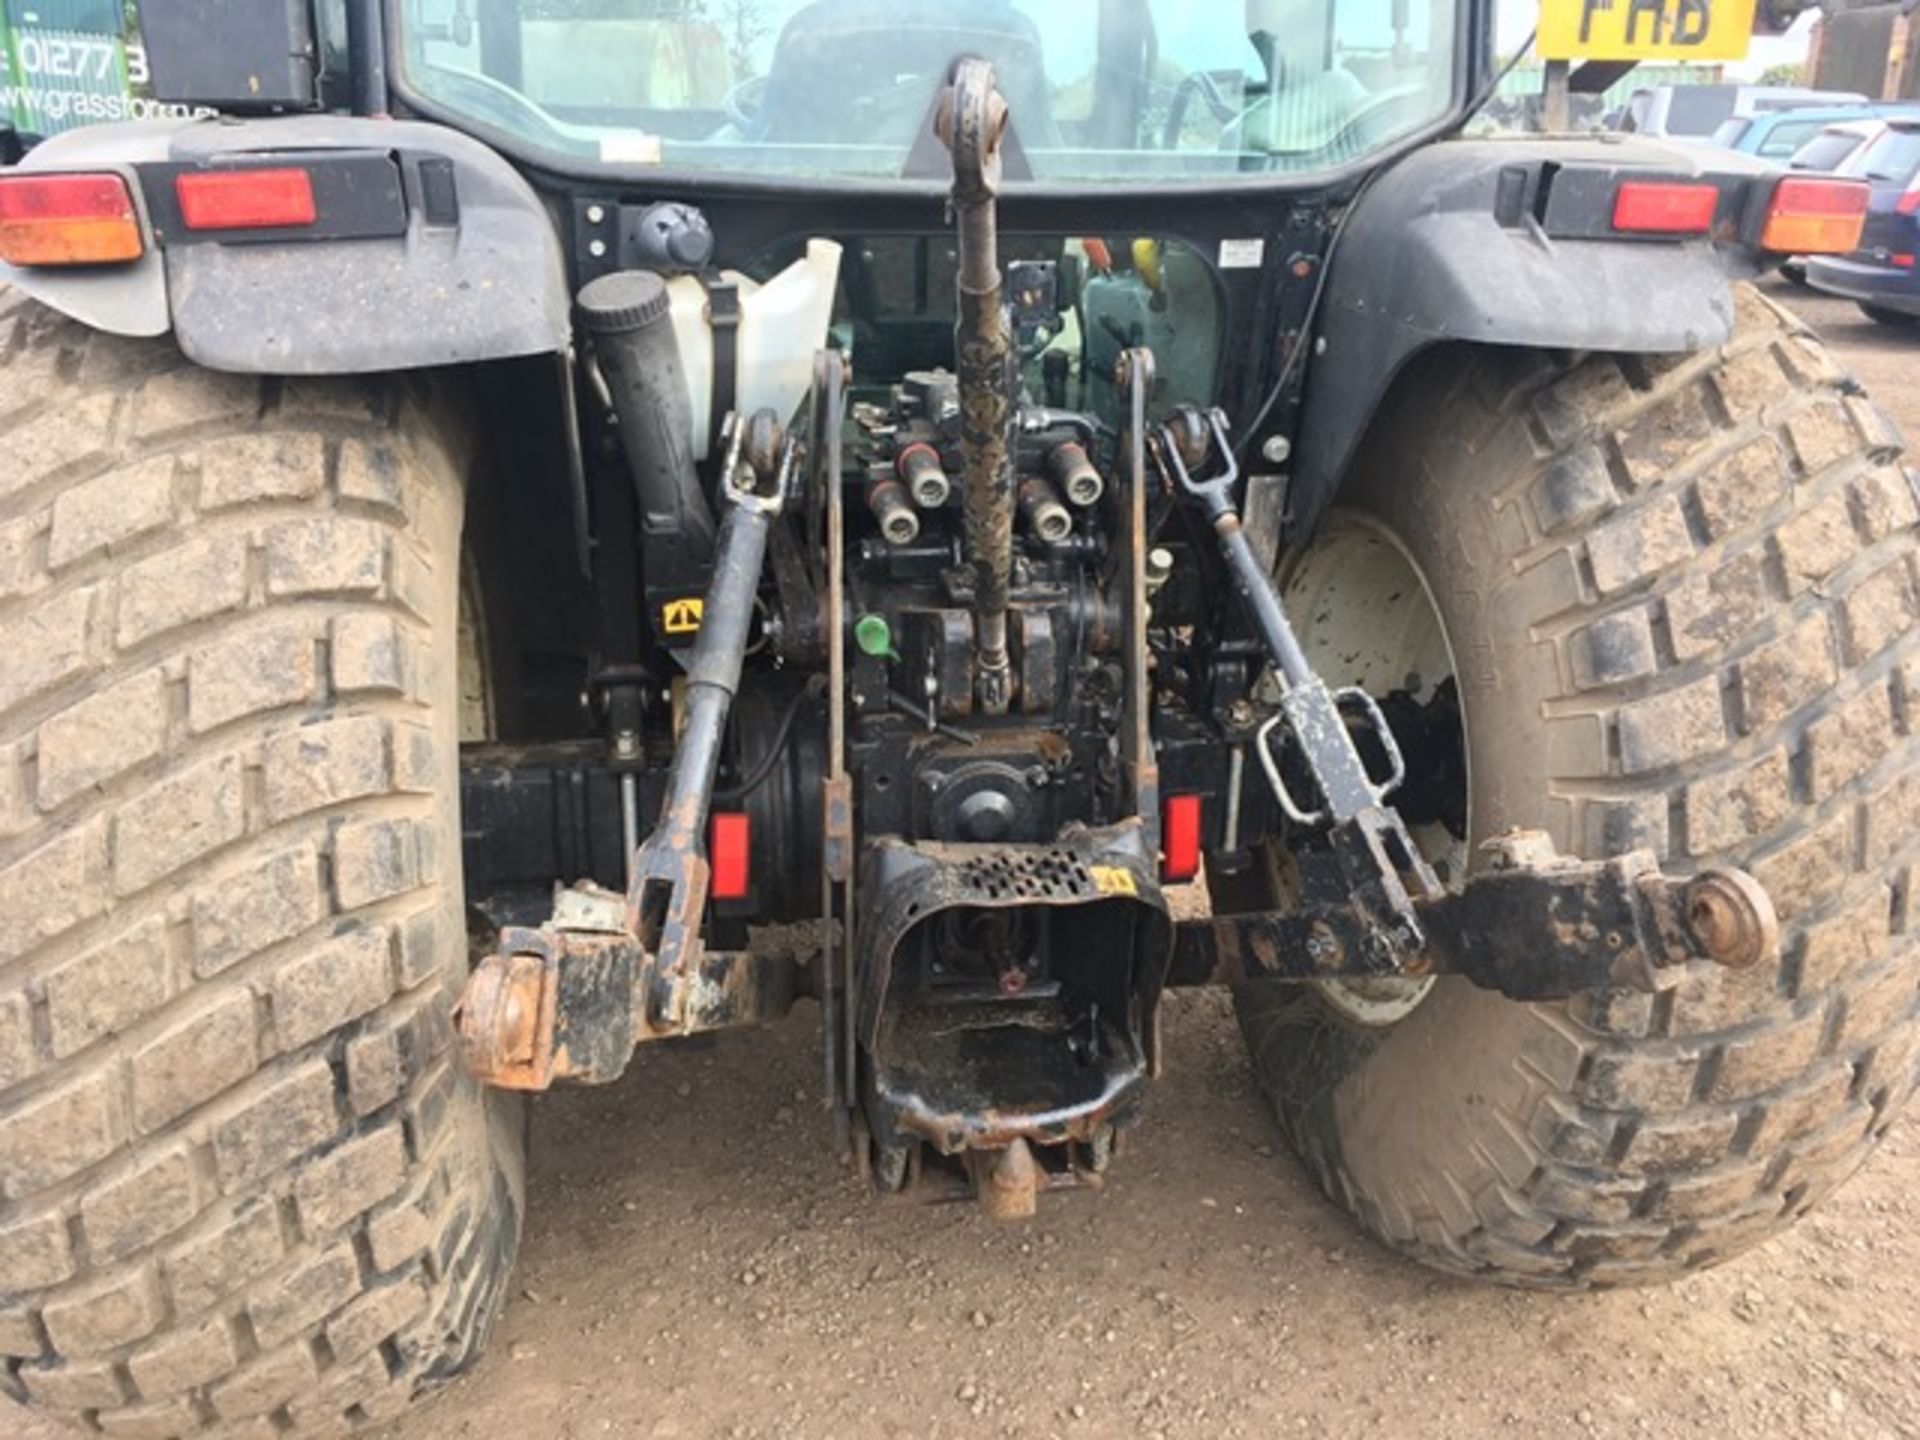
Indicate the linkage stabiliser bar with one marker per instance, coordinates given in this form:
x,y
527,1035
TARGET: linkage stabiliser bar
x,y
1533,926
569,1000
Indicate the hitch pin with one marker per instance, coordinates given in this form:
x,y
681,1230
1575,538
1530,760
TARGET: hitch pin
x,y
630,823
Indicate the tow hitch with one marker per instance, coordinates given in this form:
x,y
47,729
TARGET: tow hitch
x,y
1534,926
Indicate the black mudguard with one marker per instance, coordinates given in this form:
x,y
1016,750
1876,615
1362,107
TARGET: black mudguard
x,y
1448,247
490,287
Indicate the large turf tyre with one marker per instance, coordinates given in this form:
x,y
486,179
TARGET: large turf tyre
x,y
243,1187
1680,595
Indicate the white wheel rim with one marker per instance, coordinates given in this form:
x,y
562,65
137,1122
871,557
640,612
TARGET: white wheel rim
x,y
1366,616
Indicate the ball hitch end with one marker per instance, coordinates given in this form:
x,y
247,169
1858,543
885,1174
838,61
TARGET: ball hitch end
x,y
1731,919
504,1022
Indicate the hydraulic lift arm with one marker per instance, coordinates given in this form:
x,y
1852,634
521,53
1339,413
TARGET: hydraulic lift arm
x,y
1533,926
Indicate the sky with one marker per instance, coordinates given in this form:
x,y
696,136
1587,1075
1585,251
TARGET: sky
x,y
1517,17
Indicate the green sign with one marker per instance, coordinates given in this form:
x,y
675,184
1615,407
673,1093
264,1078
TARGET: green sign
x,y
68,63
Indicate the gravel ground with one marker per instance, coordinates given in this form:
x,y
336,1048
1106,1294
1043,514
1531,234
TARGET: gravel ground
x,y
696,1264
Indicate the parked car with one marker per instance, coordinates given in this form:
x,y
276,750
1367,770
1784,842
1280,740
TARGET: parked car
x,y
1778,135
1697,111
1827,153
1880,276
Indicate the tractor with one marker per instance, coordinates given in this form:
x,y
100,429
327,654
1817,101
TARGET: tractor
x,y
533,529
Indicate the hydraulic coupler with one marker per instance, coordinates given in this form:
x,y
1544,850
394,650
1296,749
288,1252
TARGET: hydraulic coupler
x,y
570,999
1535,926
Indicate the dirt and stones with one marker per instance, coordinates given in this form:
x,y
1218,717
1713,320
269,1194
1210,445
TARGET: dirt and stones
x,y
697,1266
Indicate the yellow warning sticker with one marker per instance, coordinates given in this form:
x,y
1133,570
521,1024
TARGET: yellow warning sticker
x,y
1112,880
682,617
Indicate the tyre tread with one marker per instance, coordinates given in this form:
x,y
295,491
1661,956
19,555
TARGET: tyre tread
x,y
1782,737
226,1187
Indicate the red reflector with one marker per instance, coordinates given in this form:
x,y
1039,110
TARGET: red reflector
x,y
1815,217
1180,837
728,850
1649,208
1904,262
67,220
244,199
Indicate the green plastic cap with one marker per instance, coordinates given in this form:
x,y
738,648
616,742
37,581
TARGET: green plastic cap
x,y
872,634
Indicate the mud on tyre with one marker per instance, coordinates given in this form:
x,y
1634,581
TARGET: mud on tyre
x,y
240,1181
1679,595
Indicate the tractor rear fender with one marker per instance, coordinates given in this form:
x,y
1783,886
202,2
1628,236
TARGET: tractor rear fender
x,y
473,274
1459,243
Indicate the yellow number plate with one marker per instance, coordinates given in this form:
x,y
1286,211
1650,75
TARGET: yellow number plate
x,y
1645,29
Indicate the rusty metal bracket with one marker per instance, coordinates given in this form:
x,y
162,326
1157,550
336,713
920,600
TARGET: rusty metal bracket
x,y
1134,377
951,1062
556,1003
1534,926
566,1002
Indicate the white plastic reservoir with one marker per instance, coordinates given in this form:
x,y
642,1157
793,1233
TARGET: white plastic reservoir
x,y
782,324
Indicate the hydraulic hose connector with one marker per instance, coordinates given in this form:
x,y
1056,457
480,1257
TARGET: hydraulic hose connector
x,y
919,466
1046,516
1075,473
899,521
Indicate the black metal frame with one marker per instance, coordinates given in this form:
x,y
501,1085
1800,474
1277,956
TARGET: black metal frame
x,y
1293,213
367,41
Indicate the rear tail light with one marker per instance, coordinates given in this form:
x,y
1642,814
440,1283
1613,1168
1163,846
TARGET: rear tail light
x,y
245,199
67,220
1180,837
1908,204
729,851
1814,217
1644,207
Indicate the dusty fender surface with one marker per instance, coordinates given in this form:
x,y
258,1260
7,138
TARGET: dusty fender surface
x,y
489,287
1445,247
